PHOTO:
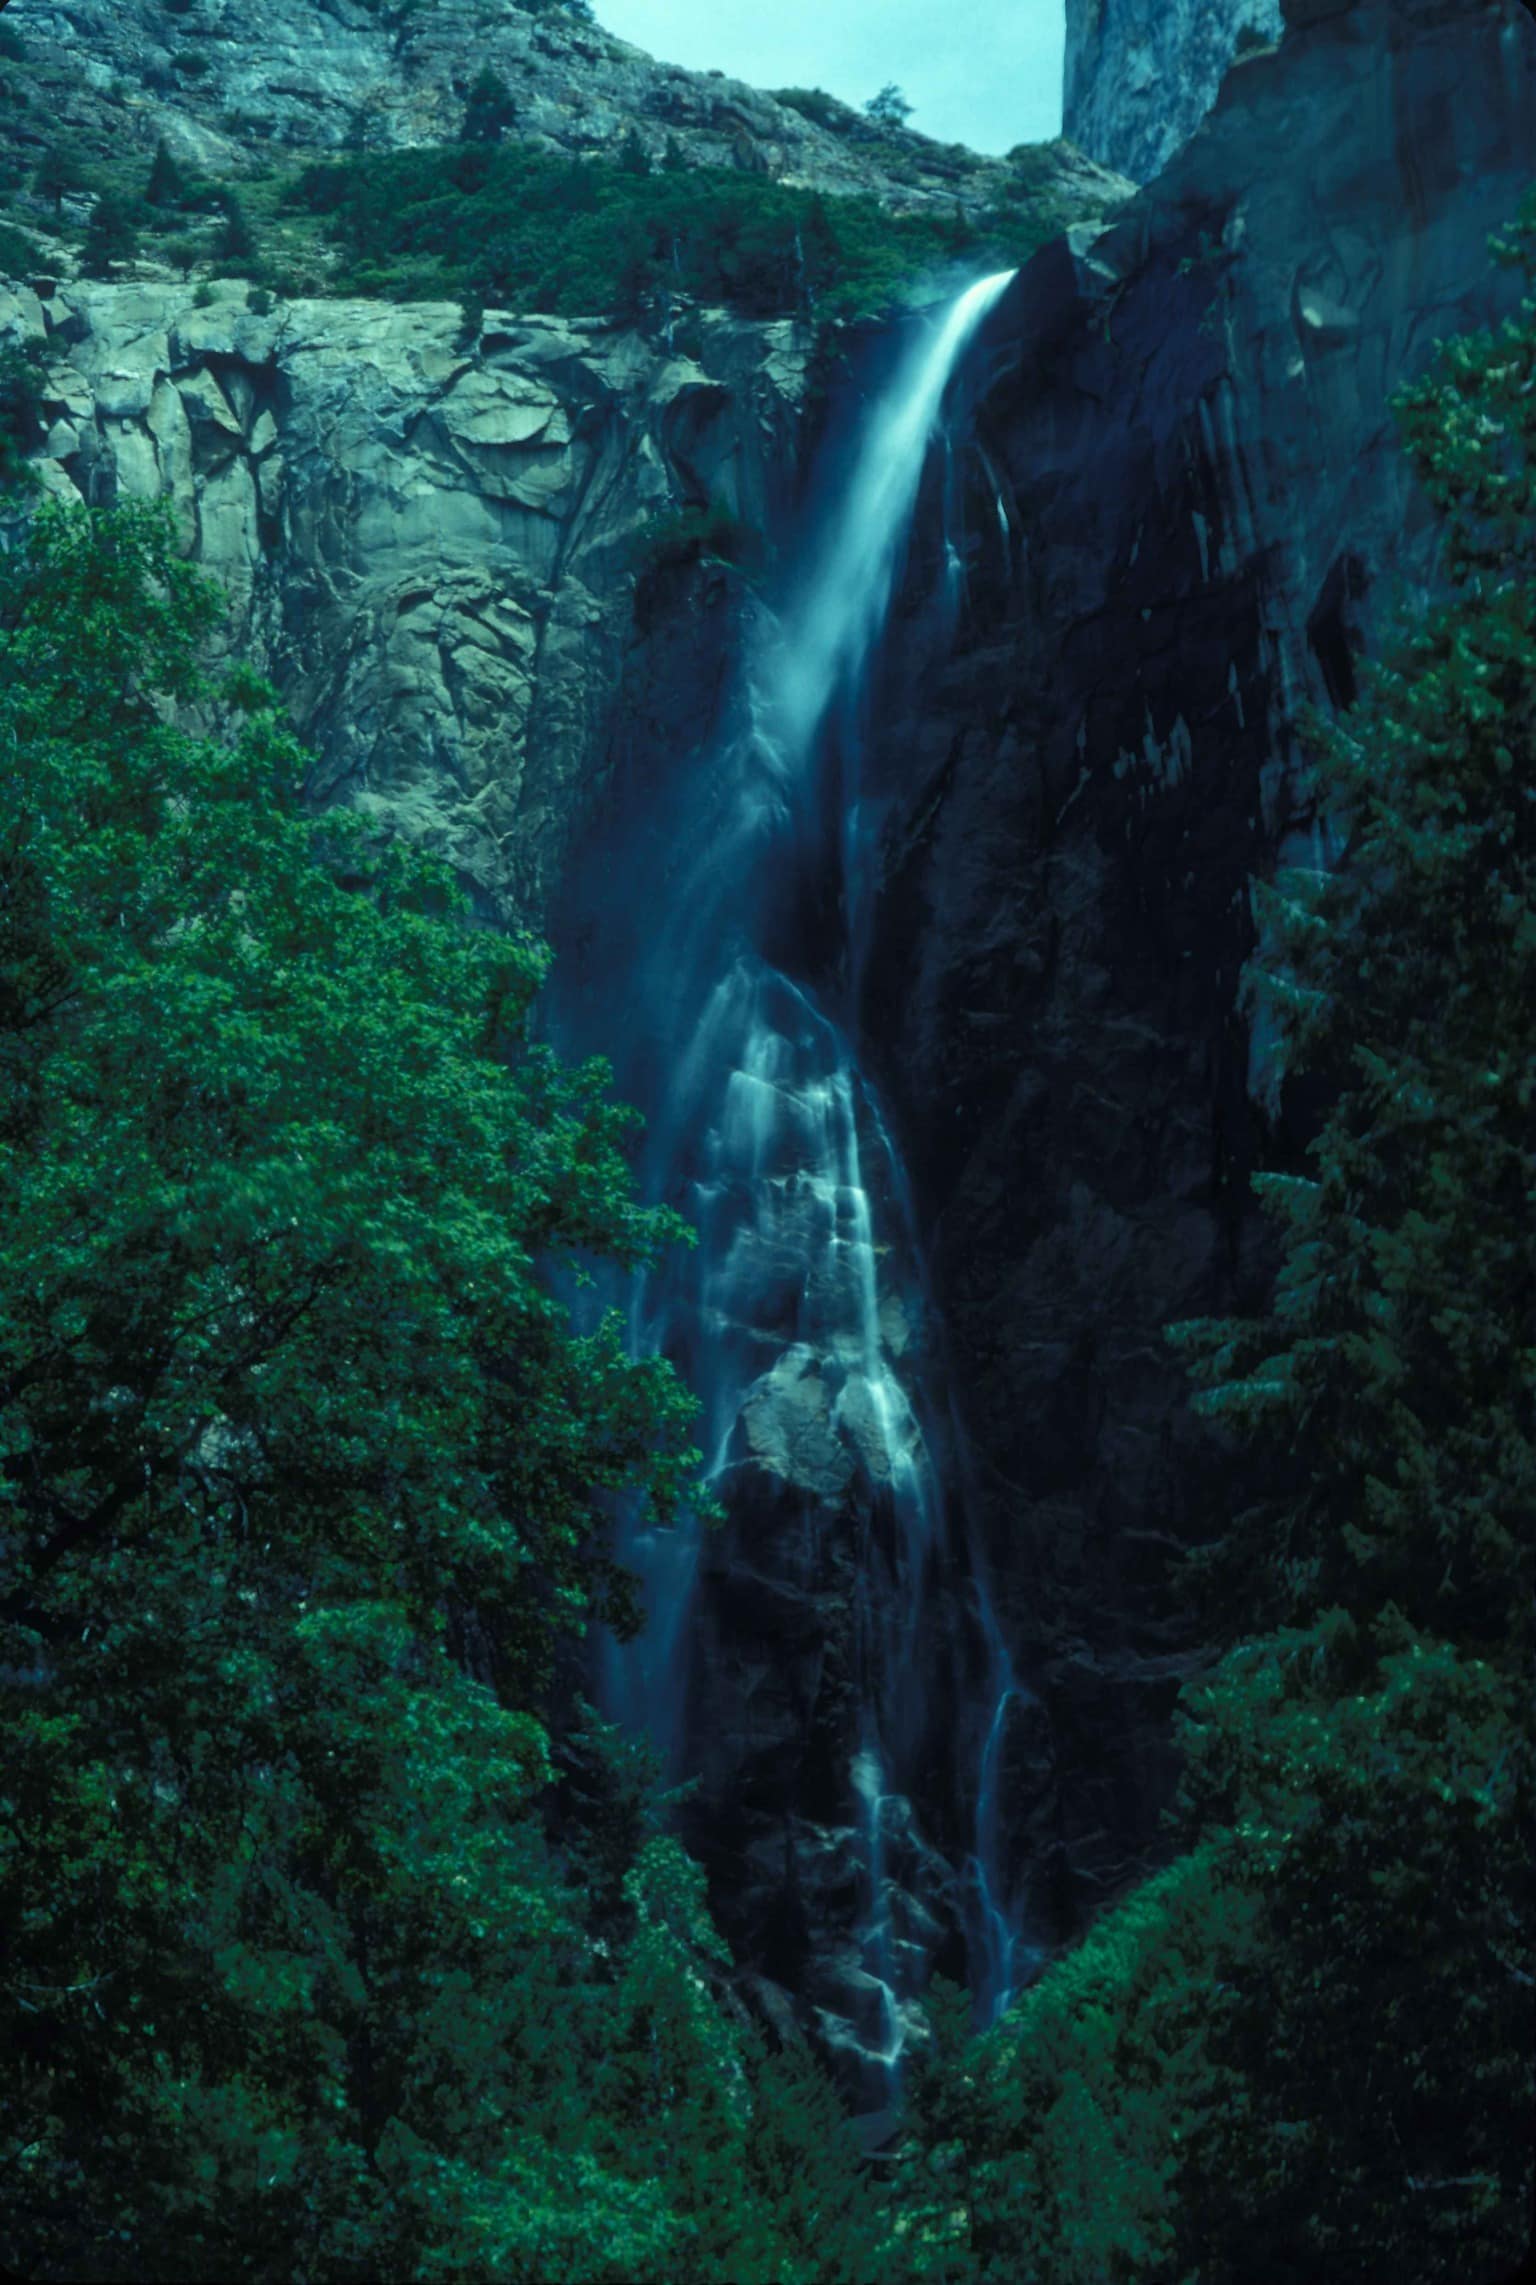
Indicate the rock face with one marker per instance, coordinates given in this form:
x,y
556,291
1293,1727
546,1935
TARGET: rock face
x,y
1140,75
1188,512
433,550
228,82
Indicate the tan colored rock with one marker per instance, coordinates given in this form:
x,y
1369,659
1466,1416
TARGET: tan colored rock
x,y
432,555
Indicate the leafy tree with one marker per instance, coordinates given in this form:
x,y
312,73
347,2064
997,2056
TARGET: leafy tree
x,y
889,108
304,1480
489,110
110,238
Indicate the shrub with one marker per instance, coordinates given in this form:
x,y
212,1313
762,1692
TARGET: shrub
x,y
20,255
489,110
191,63
21,412
12,46
236,242
166,185
110,238
525,229
815,104
183,254
1249,39
57,175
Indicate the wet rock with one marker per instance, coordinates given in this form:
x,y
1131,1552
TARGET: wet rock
x,y
1187,513
788,1422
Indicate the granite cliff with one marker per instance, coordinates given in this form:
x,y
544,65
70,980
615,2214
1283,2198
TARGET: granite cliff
x,y
431,549
1186,428
1138,78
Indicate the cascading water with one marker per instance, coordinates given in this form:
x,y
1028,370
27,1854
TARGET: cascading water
x,y
788,1319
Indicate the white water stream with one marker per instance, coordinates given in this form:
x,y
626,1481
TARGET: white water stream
x,y
769,1132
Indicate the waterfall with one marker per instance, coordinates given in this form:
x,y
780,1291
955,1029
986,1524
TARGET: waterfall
x,y
793,1319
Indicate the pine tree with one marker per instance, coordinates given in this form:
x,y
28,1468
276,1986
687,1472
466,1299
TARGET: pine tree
x,y
57,176
110,238
236,241
166,185
889,108
489,109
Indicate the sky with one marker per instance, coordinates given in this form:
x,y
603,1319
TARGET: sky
x,y
997,84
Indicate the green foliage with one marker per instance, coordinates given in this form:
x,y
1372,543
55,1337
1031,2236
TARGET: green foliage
x,y
13,47
297,1983
1250,39
191,63
20,254
489,109
183,252
523,229
110,238
21,410
815,104
235,245
1313,2034
166,185
57,176
1398,1353
889,108
686,535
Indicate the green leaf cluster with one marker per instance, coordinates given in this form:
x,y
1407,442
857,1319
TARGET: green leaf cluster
x,y
305,1480
520,228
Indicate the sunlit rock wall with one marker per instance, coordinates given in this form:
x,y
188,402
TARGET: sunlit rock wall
x,y
1140,75
432,549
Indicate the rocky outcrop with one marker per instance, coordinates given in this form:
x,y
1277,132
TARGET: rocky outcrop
x,y
432,548
231,83
1140,75
1188,511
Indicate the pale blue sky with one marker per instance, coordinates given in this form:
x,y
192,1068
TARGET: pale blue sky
x,y
983,72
